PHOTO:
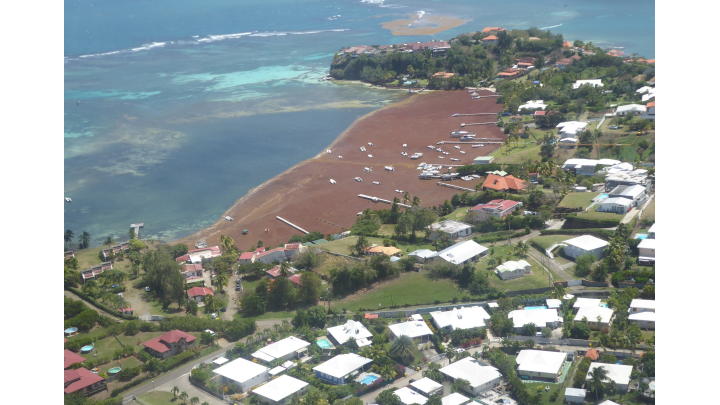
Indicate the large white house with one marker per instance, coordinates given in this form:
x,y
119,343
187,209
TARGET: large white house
x,y
585,245
339,368
570,129
424,255
647,251
630,109
512,269
463,318
540,364
586,302
416,330
532,105
409,397
453,229
591,313
242,374
281,390
635,193
455,399
616,372
463,252
616,205
342,333
643,319
592,82
480,377
286,349
640,305
541,318
427,387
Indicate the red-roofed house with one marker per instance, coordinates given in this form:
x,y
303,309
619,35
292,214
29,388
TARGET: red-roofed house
x,y
191,270
616,53
295,278
196,255
489,40
246,257
123,247
275,272
592,354
538,114
267,257
509,73
83,380
72,358
563,63
495,208
567,44
491,29
94,272
291,249
170,344
198,293
507,183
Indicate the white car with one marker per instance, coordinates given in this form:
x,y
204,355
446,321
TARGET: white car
x,y
362,149
147,289
213,315
459,350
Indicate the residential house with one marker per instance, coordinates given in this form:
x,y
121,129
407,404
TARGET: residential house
x,y
650,113
616,372
512,269
357,50
483,160
242,374
630,109
292,249
648,96
586,302
541,318
616,205
647,251
651,232
416,330
281,390
84,381
553,303
490,40
496,208
570,129
635,193
538,114
275,272
463,252
384,250
509,73
170,344
627,178
575,395
584,245
285,349
645,319
197,255
463,318
616,53
540,365
72,358
424,255
341,333
269,256
532,105
436,47
122,247
295,278
191,270
455,399
587,167
427,387
480,376
591,313
567,44
453,229
491,29
443,75
69,254
246,257
410,397
198,293
339,368
563,63
507,183
593,354
95,271
592,82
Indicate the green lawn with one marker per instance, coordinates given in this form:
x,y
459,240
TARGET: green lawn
x,y
341,246
519,154
582,200
545,396
160,398
549,240
601,216
538,278
458,214
124,363
106,347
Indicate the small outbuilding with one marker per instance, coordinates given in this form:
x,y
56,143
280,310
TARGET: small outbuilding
x,y
575,395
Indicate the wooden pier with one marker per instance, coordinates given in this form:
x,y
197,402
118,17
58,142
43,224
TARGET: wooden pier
x,y
456,187
478,123
467,115
137,227
377,199
293,225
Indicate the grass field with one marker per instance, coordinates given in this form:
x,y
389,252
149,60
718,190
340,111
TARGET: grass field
x,y
602,216
341,246
519,154
161,398
106,347
545,396
458,214
124,363
91,257
538,278
582,200
549,240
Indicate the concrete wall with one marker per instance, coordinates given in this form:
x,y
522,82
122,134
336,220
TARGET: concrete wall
x,y
588,283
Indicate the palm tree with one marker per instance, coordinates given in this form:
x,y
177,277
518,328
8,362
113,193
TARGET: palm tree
x,y
183,396
194,400
175,390
522,248
285,269
416,201
211,303
559,292
596,381
460,384
85,240
69,236
406,197
402,346
226,243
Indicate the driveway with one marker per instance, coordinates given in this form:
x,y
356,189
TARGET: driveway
x,y
183,383
629,216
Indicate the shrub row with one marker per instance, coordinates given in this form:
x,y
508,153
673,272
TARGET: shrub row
x,y
572,221
597,232
99,304
499,236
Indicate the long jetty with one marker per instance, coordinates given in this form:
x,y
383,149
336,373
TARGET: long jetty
x,y
137,227
377,199
293,225
477,123
466,115
440,183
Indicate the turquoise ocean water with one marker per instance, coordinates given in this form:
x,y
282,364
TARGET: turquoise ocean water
x,y
176,108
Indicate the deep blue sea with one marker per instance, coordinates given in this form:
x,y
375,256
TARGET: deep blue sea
x,y
176,108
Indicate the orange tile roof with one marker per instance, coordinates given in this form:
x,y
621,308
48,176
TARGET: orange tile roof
x,y
650,61
490,38
651,104
387,250
499,183
488,29
592,353
443,75
371,316
567,44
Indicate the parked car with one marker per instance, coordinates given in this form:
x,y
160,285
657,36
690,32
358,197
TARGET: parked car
x,y
147,289
213,315
505,114
614,127
223,309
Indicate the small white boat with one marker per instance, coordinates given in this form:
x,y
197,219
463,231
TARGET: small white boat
x,y
404,145
376,182
367,169
339,157
476,146
369,156
399,191
358,179
456,115
362,149
442,157
446,153
475,97
440,143
482,145
455,160
431,147
332,181
328,151
390,168
462,151
457,147
228,218
370,143
68,199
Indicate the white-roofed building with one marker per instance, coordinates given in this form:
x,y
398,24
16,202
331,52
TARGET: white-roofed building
x,y
631,109
587,167
585,245
635,193
586,302
619,373
242,374
626,177
480,377
575,395
644,89
592,313
568,141
540,364
453,229
463,318
512,269
640,305
649,96
424,255
281,390
416,330
463,252
651,232
339,368
427,387
409,397
614,204
455,399
647,251
570,129
532,105
592,82
493,305
553,303
608,402
286,349
540,317
643,319
342,333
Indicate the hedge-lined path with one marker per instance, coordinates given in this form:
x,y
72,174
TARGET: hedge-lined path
x,y
90,305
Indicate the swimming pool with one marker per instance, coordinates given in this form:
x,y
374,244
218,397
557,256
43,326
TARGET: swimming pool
x,y
324,344
531,308
369,379
641,236
602,196
604,305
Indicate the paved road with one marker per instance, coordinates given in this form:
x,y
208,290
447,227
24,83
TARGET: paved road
x,y
629,216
